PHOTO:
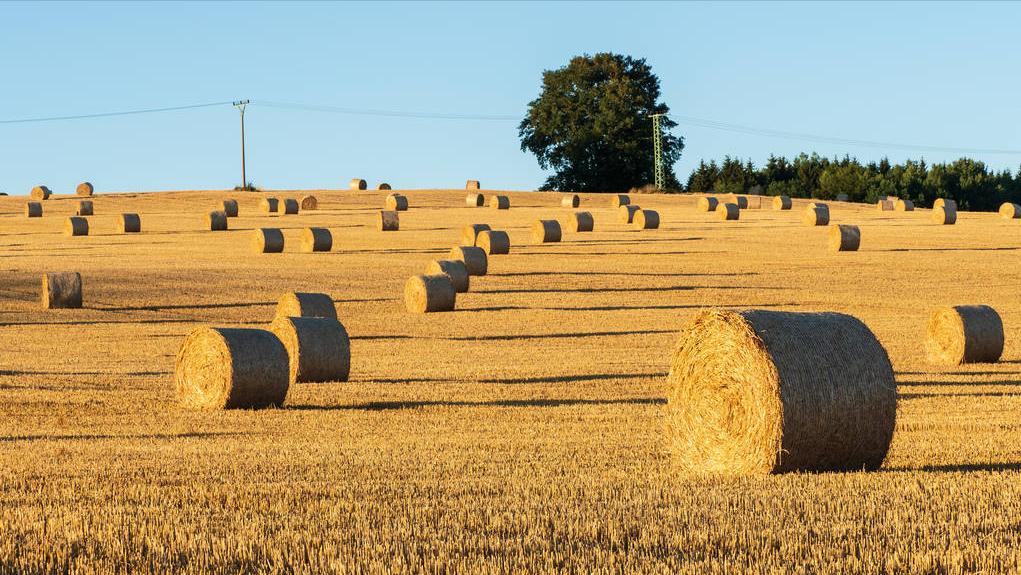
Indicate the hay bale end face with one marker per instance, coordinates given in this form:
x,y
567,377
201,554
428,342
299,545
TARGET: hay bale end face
x,y
626,213
782,203
269,205
129,224
309,203
85,208
76,226
40,193
475,200
429,293
318,348
499,202
290,206
456,270
473,185
816,215
470,233
84,189
268,241
62,290
494,242
306,304
964,334
944,215
230,368
357,184
230,207
383,187
761,392
570,201
844,238
546,232
646,220
34,210
217,221
316,240
396,202
728,211
1010,211
581,222
474,259
388,221
741,201
618,200
944,202
707,204
903,205
884,205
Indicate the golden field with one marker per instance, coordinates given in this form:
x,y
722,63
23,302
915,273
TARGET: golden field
x,y
521,433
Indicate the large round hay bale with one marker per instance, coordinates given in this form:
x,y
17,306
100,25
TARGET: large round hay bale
x,y
290,206
309,203
728,211
455,269
306,304
217,221
129,224
570,201
761,392
844,238
383,187
903,205
396,202
618,200
499,202
40,193
388,221
84,208
470,233
782,203
964,334
646,220
944,215
626,213
473,185
474,259
943,202
84,189
62,290
268,241
1010,211
581,222
884,205
494,242
318,348
475,200
741,201
316,240
429,293
33,210
76,226
230,207
707,204
545,232
231,368
357,184
269,205
818,215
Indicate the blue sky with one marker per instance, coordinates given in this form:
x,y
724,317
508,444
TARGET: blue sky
x,y
937,74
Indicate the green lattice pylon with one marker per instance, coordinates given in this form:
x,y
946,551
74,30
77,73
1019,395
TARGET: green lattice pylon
x,y
657,150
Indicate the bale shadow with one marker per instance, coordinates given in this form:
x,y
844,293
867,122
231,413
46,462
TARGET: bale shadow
x,y
394,405
623,274
558,335
947,250
958,468
998,382
124,374
93,437
521,380
953,395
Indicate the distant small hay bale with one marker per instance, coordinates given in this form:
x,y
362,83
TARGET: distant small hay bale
x,y
62,290
456,269
396,202
944,215
942,202
318,348
85,208
844,238
728,211
1010,211
646,220
964,334
309,203
570,201
818,215
753,202
474,259
884,205
475,200
903,206
129,224
843,197
741,201
357,184
76,226
306,304
546,232
626,213
470,233
231,368
580,222
618,200
494,242
230,207
383,186
388,221
760,392
33,210
84,189
707,204
268,241
782,203
499,202
269,205
217,221
290,206
40,193
429,293
316,240
472,185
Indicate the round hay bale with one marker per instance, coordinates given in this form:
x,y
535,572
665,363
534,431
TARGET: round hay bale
x,y
472,185
646,220
62,290
40,193
822,205
383,186
903,205
268,241
129,224
309,203
545,232
306,304
570,201
316,240
429,293
728,211
474,259
741,201
782,203
84,189
964,334
626,213
475,200
618,200
1010,211
494,242
817,215
318,348
388,221
844,238
499,202
217,221
753,202
357,184
761,392
843,197
230,207
231,368
76,226
84,208
581,222
944,202
396,202
455,269
944,215
33,210
269,205
707,204
290,206
884,205
470,233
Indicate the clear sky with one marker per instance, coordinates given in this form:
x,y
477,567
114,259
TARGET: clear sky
x,y
940,74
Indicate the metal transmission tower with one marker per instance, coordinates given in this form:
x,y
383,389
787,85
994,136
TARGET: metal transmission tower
x,y
240,105
657,149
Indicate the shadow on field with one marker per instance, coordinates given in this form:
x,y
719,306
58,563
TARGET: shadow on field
x,y
91,437
107,322
963,467
520,380
65,373
948,250
596,289
627,307
937,373
630,240
966,394
960,383
623,274
557,335
396,251
387,405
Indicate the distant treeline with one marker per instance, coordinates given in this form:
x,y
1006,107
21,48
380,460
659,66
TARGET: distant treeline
x,y
967,181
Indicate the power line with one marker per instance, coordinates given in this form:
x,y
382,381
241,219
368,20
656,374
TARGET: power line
x,y
387,113
111,114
